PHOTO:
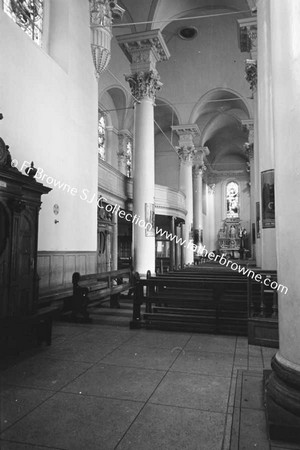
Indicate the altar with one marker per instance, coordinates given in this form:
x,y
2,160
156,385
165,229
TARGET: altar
x,y
230,238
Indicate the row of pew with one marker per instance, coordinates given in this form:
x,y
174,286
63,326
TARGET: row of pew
x,y
207,299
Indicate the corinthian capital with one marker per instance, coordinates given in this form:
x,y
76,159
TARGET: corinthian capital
x,y
199,170
200,153
144,84
185,154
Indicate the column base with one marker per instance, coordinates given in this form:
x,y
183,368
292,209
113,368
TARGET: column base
x,y
282,401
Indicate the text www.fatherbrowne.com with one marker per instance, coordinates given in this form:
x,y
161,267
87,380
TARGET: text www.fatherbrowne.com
x,y
136,220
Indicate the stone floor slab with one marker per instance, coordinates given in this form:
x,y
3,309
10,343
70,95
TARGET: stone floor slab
x,y
196,391
77,422
253,431
169,428
44,373
211,343
16,402
160,339
117,382
204,363
82,350
139,356
252,391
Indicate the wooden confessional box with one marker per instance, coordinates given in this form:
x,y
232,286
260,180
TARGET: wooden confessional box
x,y
20,201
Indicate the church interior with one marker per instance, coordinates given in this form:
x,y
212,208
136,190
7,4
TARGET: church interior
x,y
149,233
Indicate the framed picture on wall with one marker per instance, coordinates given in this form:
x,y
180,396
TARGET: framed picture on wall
x,y
253,233
257,220
268,199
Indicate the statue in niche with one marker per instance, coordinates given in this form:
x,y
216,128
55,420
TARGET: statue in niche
x,y
232,232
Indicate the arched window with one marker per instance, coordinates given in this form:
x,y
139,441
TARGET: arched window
x,y
232,200
101,136
129,159
28,14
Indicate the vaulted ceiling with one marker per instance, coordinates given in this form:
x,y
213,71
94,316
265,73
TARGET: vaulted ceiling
x,y
219,112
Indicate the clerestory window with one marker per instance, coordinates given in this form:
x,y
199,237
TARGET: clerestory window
x,y
28,14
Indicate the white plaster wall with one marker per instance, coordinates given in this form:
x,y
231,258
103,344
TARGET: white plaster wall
x,y
50,117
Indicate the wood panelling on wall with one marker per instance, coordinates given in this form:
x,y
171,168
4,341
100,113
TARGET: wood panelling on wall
x,y
55,269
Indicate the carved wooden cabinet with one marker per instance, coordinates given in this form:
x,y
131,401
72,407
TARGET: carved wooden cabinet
x,y
20,200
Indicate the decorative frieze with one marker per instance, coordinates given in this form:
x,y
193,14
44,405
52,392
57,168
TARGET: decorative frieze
x,y
144,49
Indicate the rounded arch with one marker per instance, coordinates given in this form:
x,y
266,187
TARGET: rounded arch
x,y
114,101
218,94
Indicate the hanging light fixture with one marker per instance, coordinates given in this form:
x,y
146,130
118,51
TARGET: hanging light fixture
x,y
102,15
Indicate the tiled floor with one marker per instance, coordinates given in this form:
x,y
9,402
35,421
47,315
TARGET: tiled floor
x,y
103,387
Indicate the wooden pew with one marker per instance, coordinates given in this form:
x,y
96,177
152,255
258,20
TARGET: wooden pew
x,y
93,289
212,303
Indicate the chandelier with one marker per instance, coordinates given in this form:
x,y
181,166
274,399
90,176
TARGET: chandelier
x,y
102,15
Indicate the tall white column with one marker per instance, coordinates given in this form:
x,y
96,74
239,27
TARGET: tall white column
x,y
249,149
144,50
211,235
283,388
265,135
186,153
114,243
186,185
197,197
198,170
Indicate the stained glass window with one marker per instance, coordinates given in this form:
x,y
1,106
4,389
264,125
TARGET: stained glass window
x,y
101,136
232,200
28,14
129,159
